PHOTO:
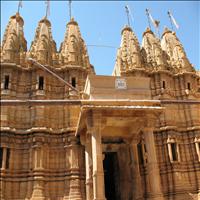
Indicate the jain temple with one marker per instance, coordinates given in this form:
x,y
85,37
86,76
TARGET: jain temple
x,y
69,134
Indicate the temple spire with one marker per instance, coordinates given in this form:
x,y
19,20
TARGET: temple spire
x,y
43,48
73,49
154,54
14,44
173,47
128,55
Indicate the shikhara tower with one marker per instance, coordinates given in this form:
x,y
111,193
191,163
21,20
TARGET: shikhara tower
x,y
134,135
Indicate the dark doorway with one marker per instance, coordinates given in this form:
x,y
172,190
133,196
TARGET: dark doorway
x,y
111,176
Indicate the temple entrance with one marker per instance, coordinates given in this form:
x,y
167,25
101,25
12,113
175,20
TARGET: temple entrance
x,y
111,176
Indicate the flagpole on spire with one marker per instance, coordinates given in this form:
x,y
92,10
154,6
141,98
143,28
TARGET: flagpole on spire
x,y
172,21
127,12
147,13
155,23
47,2
19,6
70,10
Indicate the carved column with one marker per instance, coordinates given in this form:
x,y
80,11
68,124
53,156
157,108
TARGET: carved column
x,y
98,173
152,165
88,167
1,189
38,186
4,158
67,168
137,185
3,172
75,184
29,183
94,127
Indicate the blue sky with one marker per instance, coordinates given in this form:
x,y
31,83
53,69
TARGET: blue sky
x,y
101,23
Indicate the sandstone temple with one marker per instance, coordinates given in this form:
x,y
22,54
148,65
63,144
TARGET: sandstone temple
x,y
134,135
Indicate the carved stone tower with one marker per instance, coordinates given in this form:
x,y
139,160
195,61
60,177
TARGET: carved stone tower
x,y
14,45
128,55
43,48
174,49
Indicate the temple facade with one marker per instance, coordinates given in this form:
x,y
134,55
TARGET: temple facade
x,y
134,135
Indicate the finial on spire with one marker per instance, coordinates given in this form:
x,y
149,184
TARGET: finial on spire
x,y
47,2
155,23
70,10
19,6
172,20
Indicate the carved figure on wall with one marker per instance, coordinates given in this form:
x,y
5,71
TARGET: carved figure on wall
x,y
158,55
10,47
42,49
135,60
180,57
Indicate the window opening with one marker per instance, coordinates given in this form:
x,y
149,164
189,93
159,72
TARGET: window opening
x,y
7,158
73,81
6,82
1,156
163,84
174,151
188,86
41,83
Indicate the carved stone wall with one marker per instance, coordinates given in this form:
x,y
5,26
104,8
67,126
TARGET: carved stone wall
x,y
42,158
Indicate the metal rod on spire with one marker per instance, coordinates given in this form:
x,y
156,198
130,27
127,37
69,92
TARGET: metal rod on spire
x,y
127,12
172,21
47,2
19,6
70,10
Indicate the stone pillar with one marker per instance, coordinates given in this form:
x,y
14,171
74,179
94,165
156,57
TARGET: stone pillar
x,y
88,167
67,166
38,186
29,183
4,158
97,158
152,166
75,184
170,152
137,184
2,173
